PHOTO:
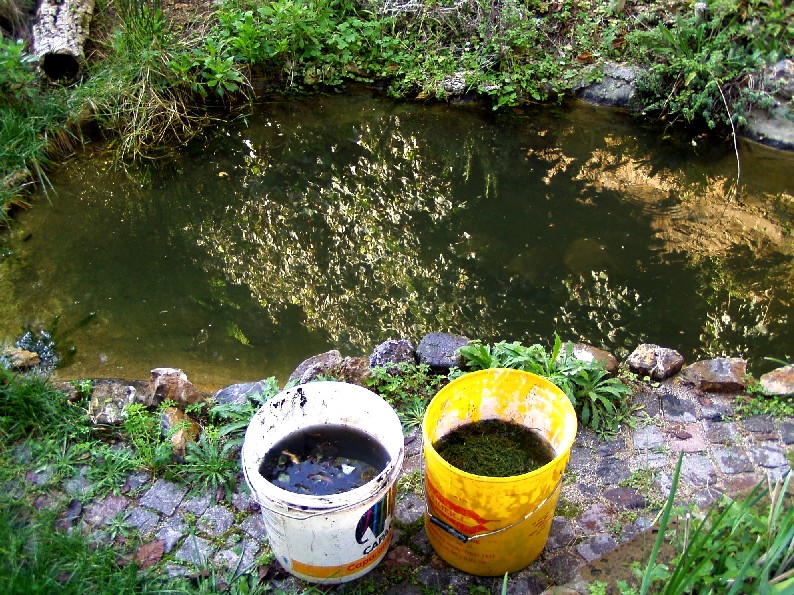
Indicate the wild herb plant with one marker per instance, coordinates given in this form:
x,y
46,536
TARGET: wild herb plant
x,y
602,403
408,388
210,464
144,433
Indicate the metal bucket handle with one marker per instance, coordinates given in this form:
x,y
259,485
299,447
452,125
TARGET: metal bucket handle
x,y
465,538
462,536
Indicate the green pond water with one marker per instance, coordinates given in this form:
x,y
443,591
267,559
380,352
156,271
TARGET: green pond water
x,y
339,222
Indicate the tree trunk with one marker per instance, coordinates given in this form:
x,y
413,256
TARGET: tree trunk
x,y
59,33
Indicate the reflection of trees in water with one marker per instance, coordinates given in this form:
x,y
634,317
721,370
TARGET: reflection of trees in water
x,y
353,221
340,231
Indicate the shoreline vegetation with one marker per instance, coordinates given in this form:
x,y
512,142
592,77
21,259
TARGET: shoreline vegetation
x,y
156,74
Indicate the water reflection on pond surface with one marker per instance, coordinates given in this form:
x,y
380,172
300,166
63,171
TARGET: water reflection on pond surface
x,y
341,221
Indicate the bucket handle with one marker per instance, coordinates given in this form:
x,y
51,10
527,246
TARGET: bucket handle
x,y
465,538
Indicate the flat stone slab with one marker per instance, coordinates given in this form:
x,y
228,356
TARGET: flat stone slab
x,y
216,521
597,546
678,409
768,456
648,438
172,532
733,461
688,439
164,496
254,526
142,519
102,511
195,550
722,432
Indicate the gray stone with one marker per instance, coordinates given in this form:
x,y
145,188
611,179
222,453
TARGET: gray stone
x,y
698,470
678,409
596,546
657,362
779,381
626,498
648,438
732,461
616,88
195,550
768,456
79,485
454,84
780,79
142,519
772,128
102,511
760,424
136,480
562,567
216,521
410,508
561,534
197,505
171,532
324,364
238,394
254,526
787,432
724,432
611,447
613,471
722,374
239,557
595,519
164,496
242,501
391,353
439,350
108,400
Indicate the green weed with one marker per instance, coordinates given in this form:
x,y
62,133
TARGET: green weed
x,y
602,403
408,388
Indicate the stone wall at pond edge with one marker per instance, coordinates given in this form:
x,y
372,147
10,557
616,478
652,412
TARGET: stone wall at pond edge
x,y
612,490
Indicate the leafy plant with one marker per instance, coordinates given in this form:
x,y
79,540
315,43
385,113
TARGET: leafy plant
x,y
406,387
601,402
208,463
144,433
739,546
30,406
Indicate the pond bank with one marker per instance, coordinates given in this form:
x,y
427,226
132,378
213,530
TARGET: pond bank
x,y
612,492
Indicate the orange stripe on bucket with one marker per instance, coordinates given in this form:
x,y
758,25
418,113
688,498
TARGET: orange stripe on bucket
x,y
342,570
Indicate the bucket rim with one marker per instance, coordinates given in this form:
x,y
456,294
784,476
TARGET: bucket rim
x,y
562,456
325,392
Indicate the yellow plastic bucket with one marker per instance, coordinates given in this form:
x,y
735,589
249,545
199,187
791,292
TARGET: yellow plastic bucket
x,y
491,525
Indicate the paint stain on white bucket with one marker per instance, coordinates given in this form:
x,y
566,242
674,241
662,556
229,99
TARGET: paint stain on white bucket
x,y
330,538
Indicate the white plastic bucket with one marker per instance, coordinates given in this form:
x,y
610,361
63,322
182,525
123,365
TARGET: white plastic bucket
x,y
336,538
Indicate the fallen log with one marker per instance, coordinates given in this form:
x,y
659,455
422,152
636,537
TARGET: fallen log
x,y
59,34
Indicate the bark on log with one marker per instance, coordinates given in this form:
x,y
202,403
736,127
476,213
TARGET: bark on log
x,y
59,35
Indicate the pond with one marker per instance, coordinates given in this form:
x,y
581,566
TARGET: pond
x,y
342,221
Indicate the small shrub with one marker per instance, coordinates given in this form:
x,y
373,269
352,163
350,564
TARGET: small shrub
x,y
601,403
